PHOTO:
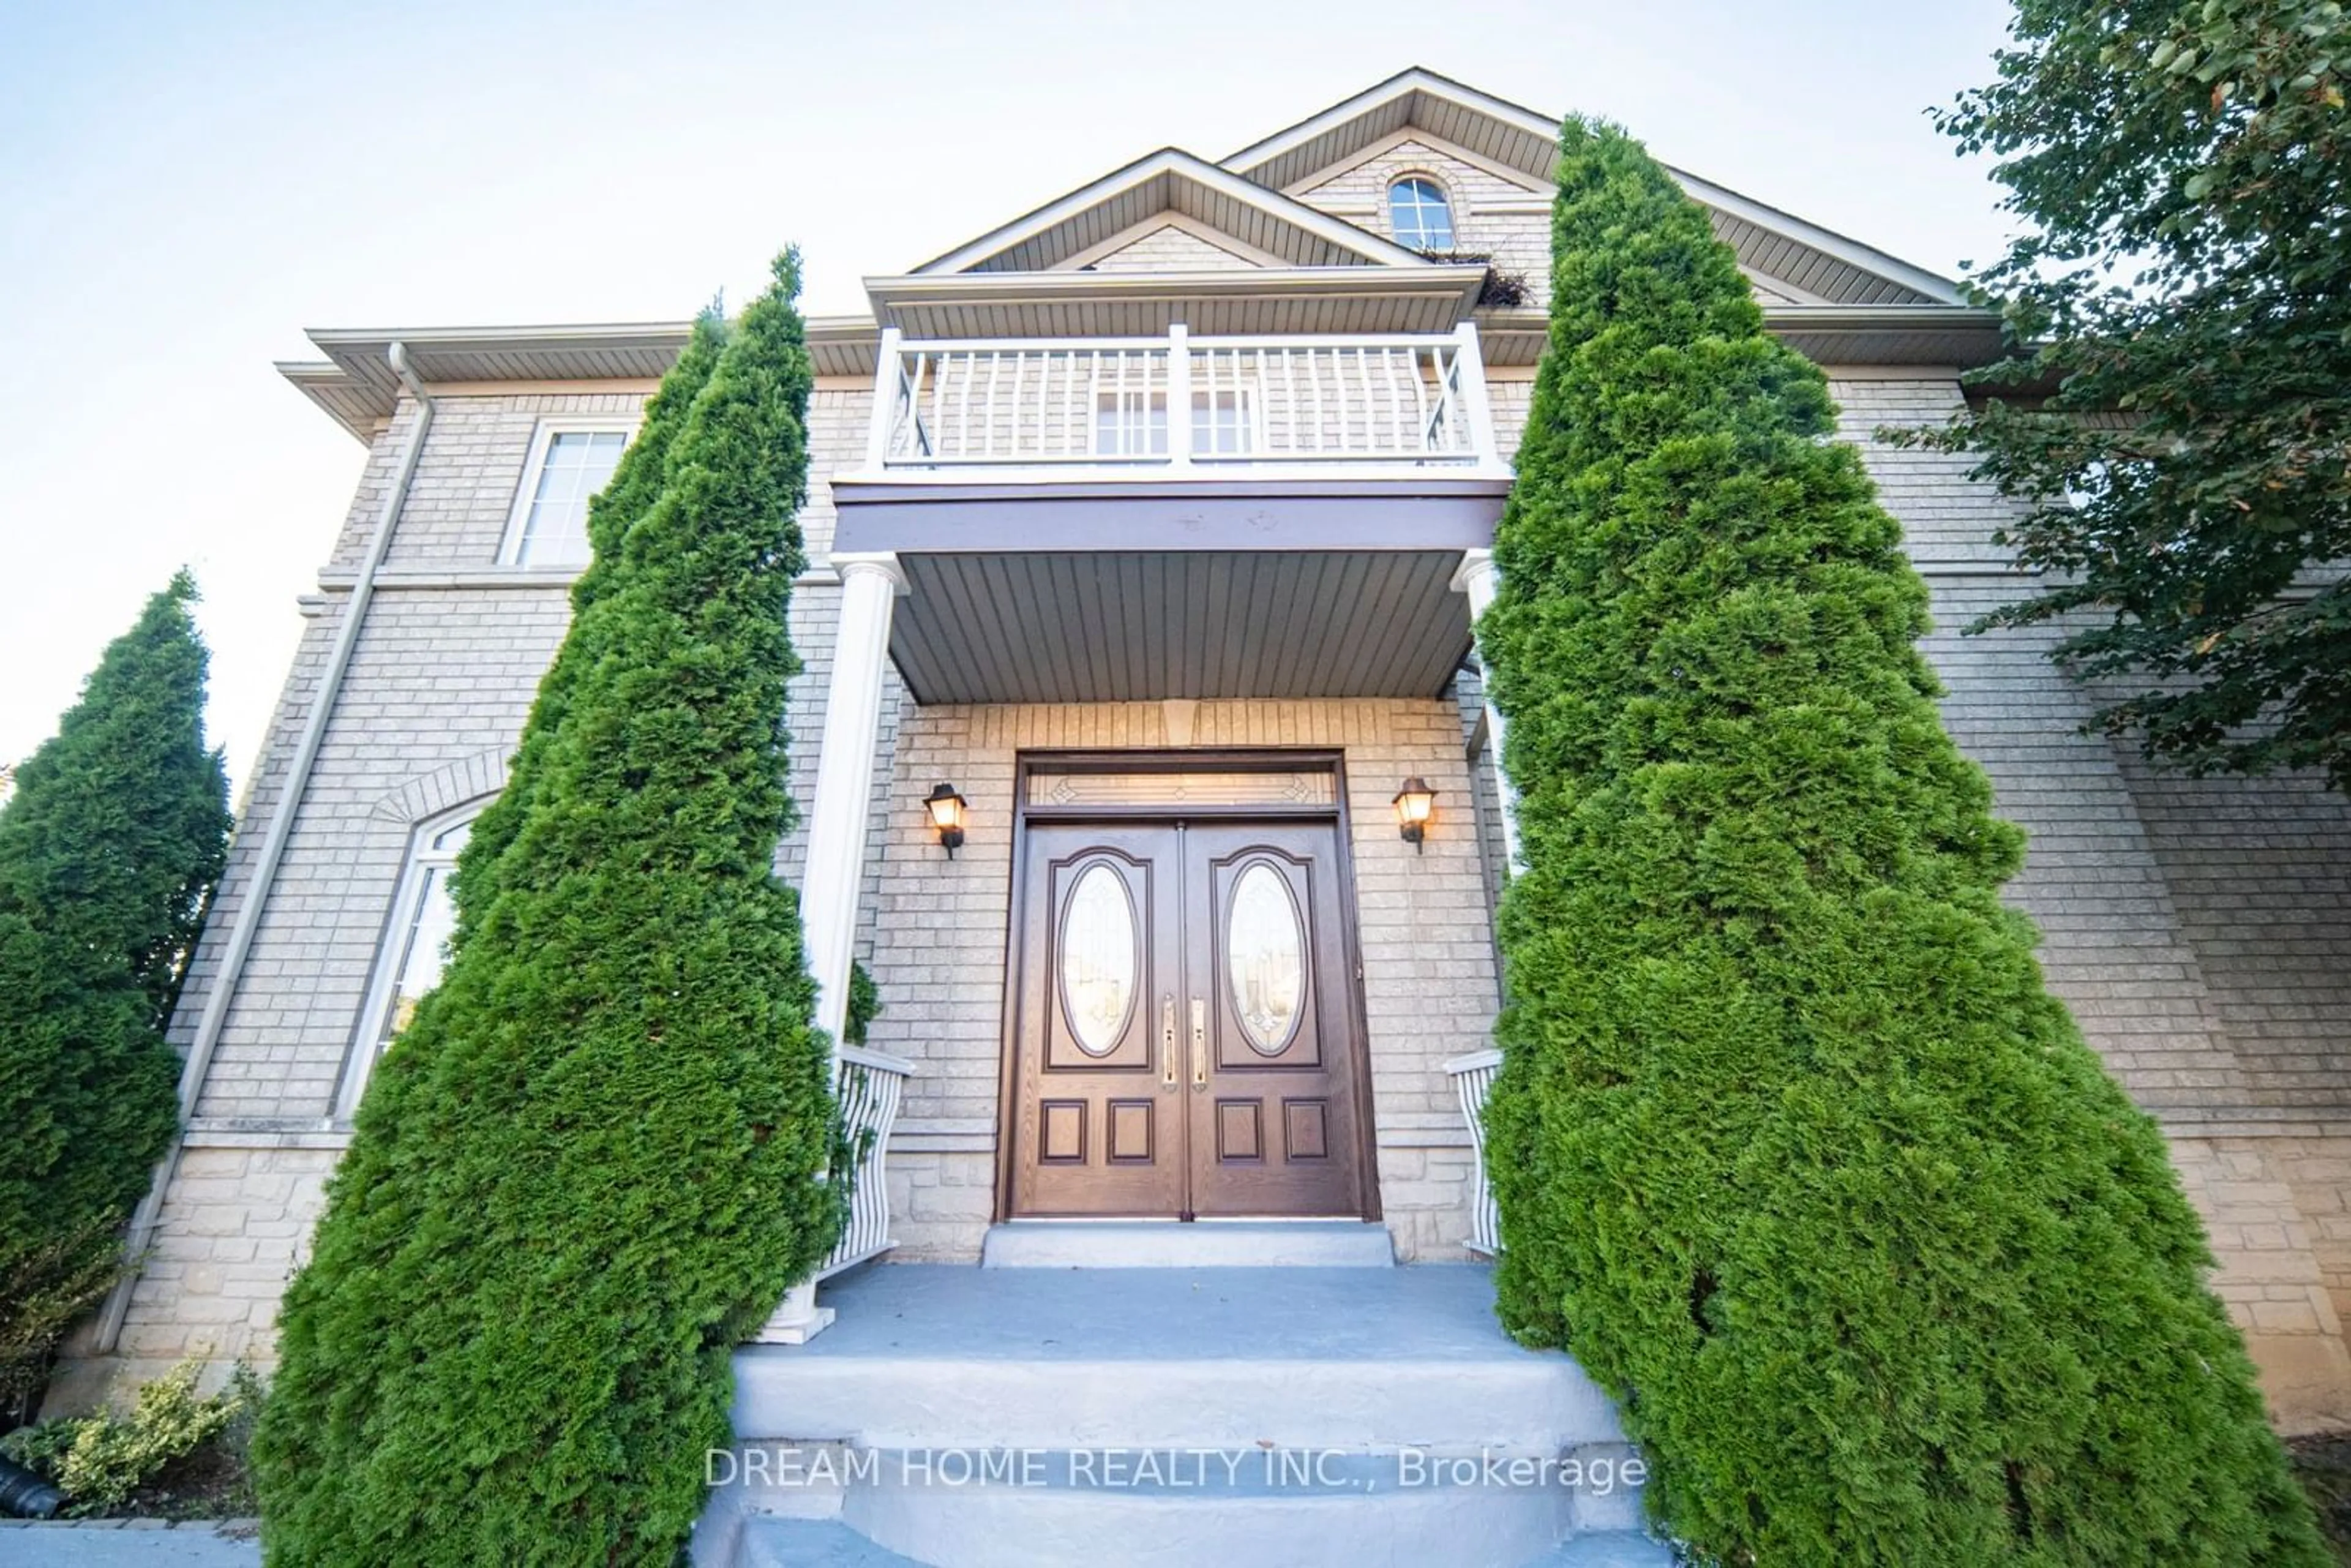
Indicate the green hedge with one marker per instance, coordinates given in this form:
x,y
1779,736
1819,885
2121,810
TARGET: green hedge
x,y
109,851
1794,1150
592,1163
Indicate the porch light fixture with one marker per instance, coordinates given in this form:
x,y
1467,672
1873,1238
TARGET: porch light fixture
x,y
1414,805
947,815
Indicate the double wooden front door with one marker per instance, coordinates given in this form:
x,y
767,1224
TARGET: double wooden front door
x,y
1184,1040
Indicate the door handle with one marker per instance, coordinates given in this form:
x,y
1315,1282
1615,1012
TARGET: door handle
x,y
1199,1044
1167,1041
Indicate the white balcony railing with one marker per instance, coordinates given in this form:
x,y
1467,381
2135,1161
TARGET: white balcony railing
x,y
1148,406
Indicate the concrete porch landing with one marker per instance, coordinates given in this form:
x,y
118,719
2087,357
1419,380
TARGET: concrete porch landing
x,y
1348,1358
1259,1415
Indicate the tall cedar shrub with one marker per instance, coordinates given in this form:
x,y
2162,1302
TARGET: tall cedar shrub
x,y
109,851
635,486
592,1161
1794,1150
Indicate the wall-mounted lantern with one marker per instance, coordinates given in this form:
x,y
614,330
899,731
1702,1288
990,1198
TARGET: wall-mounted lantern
x,y
947,815
1415,804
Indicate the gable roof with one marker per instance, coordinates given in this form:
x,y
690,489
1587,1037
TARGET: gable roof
x,y
1838,270
1172,180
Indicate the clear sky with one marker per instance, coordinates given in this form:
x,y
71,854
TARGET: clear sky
x,y
184,188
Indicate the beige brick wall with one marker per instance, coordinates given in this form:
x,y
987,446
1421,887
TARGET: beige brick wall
x,y
940,929
211,1282
2317,1170
2281,1273
434,699
2200,931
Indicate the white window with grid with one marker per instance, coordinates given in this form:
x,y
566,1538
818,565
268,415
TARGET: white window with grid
x,y
1130,423
415,945
570,462
1224,421
1134,424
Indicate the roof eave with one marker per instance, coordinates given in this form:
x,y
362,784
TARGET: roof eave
x,y
1411,79
1851,252
1959,337
356,387
1374,249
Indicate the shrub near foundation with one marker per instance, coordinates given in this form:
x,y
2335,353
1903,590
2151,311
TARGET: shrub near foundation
x,y
1794,1150
593,1162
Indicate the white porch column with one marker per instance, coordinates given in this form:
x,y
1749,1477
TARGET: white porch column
x,y
838,817
838,821
1478,578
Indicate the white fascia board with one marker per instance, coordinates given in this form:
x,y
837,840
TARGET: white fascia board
x,y
1433,278
1417,79
1176,160
556,337
1828,242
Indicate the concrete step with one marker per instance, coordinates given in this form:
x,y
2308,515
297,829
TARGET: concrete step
x,y
827,1544
961,1418
1203,1244
1249,1506
1237,1510
932,1356
1613,1549
812,1543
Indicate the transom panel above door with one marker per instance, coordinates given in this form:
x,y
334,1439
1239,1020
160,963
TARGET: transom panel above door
x,y
1184,1041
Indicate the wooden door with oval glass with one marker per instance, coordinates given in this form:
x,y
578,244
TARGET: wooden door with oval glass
x,y
1185,1042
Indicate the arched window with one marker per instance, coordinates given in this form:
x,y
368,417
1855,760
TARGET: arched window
x,y
414,945
1420,214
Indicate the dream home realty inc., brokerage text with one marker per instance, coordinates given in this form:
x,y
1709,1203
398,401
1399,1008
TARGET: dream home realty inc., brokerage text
x,y
1599,1471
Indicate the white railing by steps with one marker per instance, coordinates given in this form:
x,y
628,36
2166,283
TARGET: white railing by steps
x,y
1205,405
1473,1076
868,1086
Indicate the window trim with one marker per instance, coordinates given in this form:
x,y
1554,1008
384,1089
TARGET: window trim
x,y
418,861
1444,193
542,438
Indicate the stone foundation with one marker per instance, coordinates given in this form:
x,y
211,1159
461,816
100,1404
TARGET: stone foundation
x,y
2280,1273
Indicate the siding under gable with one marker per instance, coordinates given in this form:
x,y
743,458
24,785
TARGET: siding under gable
x,y
1169,248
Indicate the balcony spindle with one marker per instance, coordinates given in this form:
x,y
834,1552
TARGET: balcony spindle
x,y
1180,439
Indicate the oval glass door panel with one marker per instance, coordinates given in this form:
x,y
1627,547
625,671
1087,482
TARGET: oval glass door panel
x,y
1098,960
1265,953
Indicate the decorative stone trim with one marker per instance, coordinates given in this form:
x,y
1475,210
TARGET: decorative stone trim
x,y
452,785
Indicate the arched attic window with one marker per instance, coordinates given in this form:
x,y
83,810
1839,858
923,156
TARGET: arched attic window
x,y
1420,214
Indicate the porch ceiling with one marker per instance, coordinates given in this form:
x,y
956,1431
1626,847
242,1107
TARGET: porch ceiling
x,y
1136,626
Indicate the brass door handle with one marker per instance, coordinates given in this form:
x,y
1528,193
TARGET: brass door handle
x,y
1167,1041
1199,1043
